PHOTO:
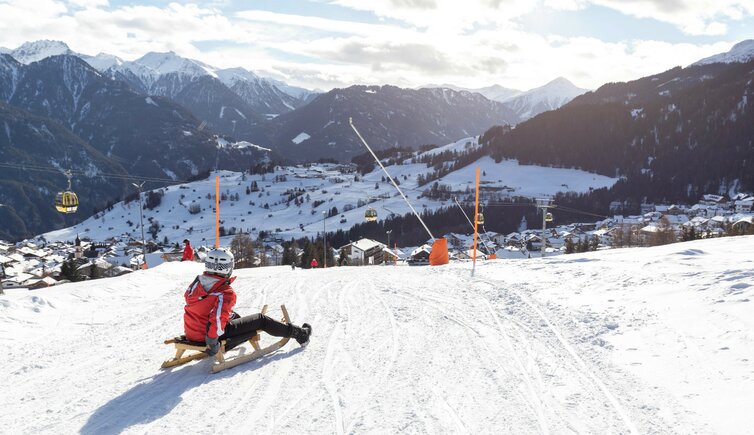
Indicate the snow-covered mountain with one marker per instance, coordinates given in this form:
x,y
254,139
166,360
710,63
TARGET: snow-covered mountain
x,y
303,94
260,94
674,136
165,63
167,74
642,340
388,116
740,53
497,92
102,61
146,136
544,98
526,104
104,113
494,92
34,51
163,74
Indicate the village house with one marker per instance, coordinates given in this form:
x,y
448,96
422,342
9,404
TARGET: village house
x,y
420,255
512,239
714,200
744,205
743,225
33,284
363,252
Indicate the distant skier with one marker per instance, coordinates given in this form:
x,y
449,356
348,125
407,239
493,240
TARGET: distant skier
x,y
188,251
314,263
209,317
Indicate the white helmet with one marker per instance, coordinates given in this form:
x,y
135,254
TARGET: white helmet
x,y
219,261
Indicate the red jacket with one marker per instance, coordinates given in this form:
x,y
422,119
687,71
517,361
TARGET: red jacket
x,y
314,262
209,303
188,253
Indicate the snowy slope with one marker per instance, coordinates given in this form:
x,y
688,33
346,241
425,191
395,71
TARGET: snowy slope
x,y
740,53
324,184
653,340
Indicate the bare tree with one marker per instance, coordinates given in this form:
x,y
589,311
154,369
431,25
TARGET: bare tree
x,y
664,234
242,248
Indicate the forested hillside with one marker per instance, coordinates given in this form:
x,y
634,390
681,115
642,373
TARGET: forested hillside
x,y
672,137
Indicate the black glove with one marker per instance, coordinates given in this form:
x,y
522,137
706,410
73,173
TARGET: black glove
x,y
213,345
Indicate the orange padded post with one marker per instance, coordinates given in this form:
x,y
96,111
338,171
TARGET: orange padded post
x,y
476,214
217,211
439,254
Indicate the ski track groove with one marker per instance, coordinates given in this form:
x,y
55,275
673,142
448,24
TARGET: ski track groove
x,y
534,399
282,416
529,397
457,421
582,370
266,393
327,369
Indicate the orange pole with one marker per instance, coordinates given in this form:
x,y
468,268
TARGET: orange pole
x,y
217,211
476,213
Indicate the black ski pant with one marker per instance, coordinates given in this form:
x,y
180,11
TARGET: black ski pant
x,y
242,329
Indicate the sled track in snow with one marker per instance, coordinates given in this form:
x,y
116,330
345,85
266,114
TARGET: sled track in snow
x,y
328,367
584,372
435,302
525,374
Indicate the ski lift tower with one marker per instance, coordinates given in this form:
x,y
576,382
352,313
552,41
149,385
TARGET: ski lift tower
x,y
543,204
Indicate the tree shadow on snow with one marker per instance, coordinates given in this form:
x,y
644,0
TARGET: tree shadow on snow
x,y
158,396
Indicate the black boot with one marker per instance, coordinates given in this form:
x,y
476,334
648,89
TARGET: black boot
x,y
301,334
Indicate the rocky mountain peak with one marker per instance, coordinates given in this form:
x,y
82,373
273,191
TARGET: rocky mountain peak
x,y
34,51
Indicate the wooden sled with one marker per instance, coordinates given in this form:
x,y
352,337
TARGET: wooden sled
x,y
182,345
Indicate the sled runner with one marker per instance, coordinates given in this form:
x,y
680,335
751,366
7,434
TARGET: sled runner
x,y
182,345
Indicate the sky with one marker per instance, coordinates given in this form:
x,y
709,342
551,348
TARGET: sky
x,y
322,44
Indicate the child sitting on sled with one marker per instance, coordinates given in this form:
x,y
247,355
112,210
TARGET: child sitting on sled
x,y
209,317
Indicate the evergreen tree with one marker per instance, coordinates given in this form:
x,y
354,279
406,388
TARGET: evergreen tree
x,y
569,246
288,255
594,244
69,270
94,272
583,245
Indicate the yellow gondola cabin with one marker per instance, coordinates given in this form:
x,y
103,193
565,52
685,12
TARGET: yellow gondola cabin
x,y
67,202
370,215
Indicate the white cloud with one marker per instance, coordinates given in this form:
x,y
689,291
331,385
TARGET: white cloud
x,y
694,17
471,44
88,3
565,5
448,15
318,23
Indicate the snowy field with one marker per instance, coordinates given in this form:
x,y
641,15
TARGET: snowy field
x,y
651,340
271,209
